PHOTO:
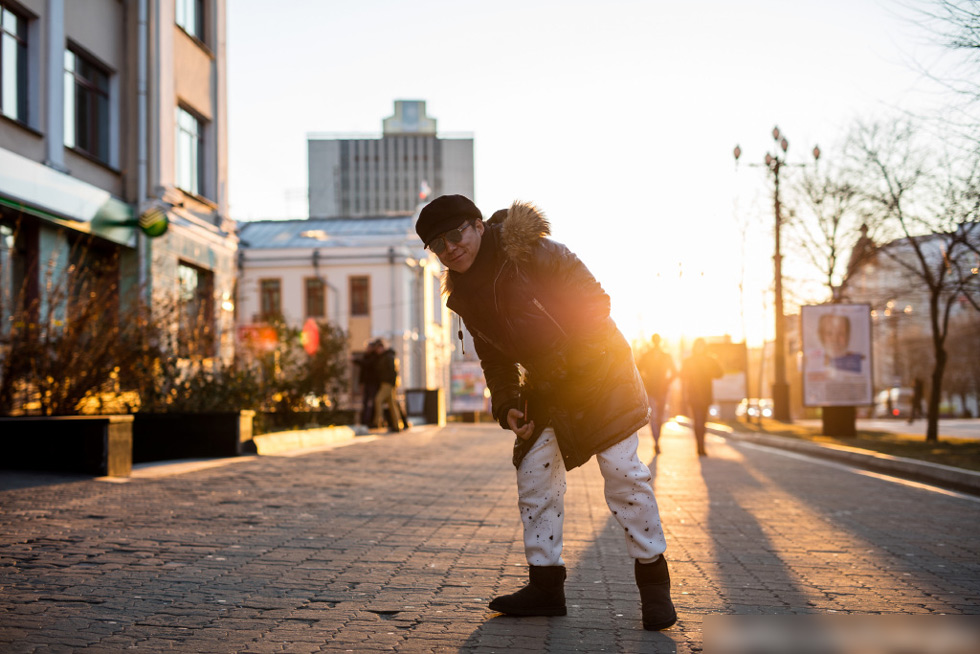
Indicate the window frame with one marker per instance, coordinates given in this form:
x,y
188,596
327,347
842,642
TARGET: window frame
x,y
197,331
8,253
182,16
356,299
93,274
196,177
321,301
21,113
21,279
98,127
265,314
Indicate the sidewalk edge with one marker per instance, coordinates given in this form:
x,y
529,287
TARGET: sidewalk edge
x,y
958,479
285,441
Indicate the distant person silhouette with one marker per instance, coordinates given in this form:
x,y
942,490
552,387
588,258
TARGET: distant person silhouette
x,y
697,373
917,393
387,367
368,378
658,371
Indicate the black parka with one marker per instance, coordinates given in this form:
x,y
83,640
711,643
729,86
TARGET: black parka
x,y
386,367
540,322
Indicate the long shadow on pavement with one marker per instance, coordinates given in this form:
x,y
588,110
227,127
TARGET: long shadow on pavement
x,y
749,576
19,479
885,545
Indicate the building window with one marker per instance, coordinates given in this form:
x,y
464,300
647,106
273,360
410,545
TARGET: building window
x,y
19,247
196,310
91,281
190,152
190,17
316,298
86,106
271,299
6,276
13,64
360,296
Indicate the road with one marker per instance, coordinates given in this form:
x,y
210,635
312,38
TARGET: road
x,y
396,543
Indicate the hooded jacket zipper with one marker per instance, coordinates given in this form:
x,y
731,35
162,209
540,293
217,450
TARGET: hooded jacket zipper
x,y
549,316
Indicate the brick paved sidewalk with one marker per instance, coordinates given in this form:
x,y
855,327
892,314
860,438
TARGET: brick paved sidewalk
x,y
397,543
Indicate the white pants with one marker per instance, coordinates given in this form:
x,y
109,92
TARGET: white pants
x,y
541,495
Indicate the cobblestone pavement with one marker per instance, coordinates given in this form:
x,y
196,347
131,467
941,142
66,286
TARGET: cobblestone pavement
x,y
395,544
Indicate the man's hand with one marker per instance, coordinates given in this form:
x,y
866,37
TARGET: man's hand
x,y
515,421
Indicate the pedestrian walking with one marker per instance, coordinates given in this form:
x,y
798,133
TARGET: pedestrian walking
x,y
917,393
697,373
368,378
387,370
658,371
562,378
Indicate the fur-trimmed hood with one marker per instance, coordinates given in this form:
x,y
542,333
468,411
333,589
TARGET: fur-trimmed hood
x,y
520,227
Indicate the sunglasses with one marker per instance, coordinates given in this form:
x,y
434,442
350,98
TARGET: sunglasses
x,y
439,244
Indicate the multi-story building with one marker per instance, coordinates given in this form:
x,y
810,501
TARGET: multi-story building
x,y
112,110
369,275
902,334
354,176
357,262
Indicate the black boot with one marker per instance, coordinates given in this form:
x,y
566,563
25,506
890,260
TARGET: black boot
x,y
653,580
543,595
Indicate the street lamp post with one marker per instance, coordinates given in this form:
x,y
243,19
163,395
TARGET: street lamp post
x,y
780,388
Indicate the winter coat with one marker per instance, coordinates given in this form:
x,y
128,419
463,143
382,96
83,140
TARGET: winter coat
x,y
369,369
697,373
387,367
657,370
540,323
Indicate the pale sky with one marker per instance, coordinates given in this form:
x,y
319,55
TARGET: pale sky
x,y
617,118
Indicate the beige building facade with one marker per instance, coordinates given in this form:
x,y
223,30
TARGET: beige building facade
x,y
113,110
370,276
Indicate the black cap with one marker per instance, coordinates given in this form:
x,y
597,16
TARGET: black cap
x,y
444,213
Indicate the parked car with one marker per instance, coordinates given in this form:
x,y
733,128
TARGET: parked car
x,y
894,403
754,407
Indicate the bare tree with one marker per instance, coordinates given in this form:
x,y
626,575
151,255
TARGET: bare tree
x,y
933,203
957,25
963,375
66,349
953,26
831,229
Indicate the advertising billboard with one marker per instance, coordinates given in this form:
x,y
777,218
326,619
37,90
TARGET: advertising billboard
x,y
836,355
467,387
732,358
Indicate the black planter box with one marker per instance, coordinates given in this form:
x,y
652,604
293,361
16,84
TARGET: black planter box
x,y
165,436
93,445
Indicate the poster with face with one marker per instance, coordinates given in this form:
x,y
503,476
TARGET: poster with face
x,y
837,355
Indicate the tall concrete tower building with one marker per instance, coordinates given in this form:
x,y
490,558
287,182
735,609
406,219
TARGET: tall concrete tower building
x,y
353,176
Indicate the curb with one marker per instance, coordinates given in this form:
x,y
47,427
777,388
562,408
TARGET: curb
x,y
958,479
286,441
